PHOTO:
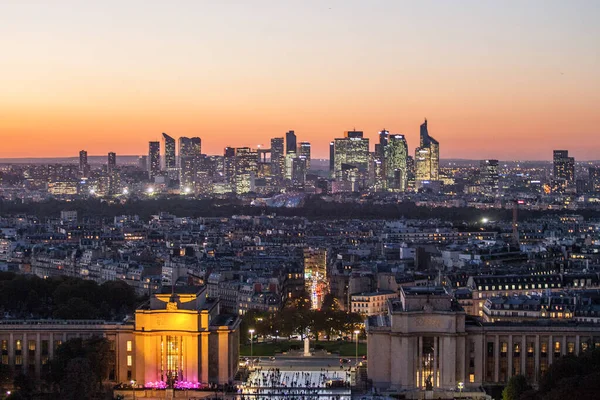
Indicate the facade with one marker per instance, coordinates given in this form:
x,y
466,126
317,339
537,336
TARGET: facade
x,y
488,174
277,157
427,158
351,157
180,337
169,149
563,170
153,159
84,167
427,342
396,154
246,166
111,162
304,152
594,179
373,303
190,147
290,142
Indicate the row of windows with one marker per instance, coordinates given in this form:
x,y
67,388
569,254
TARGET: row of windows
x,y
519,287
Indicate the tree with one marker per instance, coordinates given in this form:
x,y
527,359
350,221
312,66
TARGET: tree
x,y
517,385
79,381
95,350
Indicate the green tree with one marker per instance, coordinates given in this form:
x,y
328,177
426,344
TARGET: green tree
x,y
517,385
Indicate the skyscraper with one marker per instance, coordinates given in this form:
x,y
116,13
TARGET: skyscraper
x,y
290,142
112,162
351,153
83,163
190,147
169,148
304,152
332,159
594,179
383,141
190,151
246,165
229,165
427,157
153,159
488,175
277,158
564,166
395,162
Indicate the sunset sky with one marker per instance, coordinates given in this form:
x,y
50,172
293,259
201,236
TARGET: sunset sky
x,y
495,79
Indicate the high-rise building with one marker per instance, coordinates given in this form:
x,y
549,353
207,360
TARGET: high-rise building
x,y
84,167
351,153
190,151
169,148
290,142
153,159
383,141
299,169
304,152
277,158
190,147
395,157
112,162
427,157
594,179
246,165
488,175
564,166
229,165
332,159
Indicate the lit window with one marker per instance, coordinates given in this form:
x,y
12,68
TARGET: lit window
x,y
472,378
129,361
129,345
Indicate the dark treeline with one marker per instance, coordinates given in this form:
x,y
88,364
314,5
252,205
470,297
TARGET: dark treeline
x,y
314,208
26,296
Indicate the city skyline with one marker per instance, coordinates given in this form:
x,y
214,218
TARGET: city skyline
x,y
526,78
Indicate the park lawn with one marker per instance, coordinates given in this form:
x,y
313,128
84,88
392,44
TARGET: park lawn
x,y
267,349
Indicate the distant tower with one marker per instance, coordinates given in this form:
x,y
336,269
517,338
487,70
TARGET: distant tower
x,y
83,163
290,142
112,162
169,148
153,161
304,152
278,157
332,159
427,157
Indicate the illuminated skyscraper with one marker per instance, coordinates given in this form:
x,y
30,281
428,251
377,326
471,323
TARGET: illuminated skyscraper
x,y
304,152
277,158
153,159
395,162
112,162
564,166
427,158
246,166
488,175
190,151
84,167
352,153
290,142
299,169
169,148
190,147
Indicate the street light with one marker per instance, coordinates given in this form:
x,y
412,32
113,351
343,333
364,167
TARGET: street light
x,y
251,343
356,360
133,388
461,386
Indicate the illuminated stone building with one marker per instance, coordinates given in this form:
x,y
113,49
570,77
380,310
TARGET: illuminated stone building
x,y
427,342
174,338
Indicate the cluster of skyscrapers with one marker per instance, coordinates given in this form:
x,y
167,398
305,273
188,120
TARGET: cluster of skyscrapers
x,y
286,164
